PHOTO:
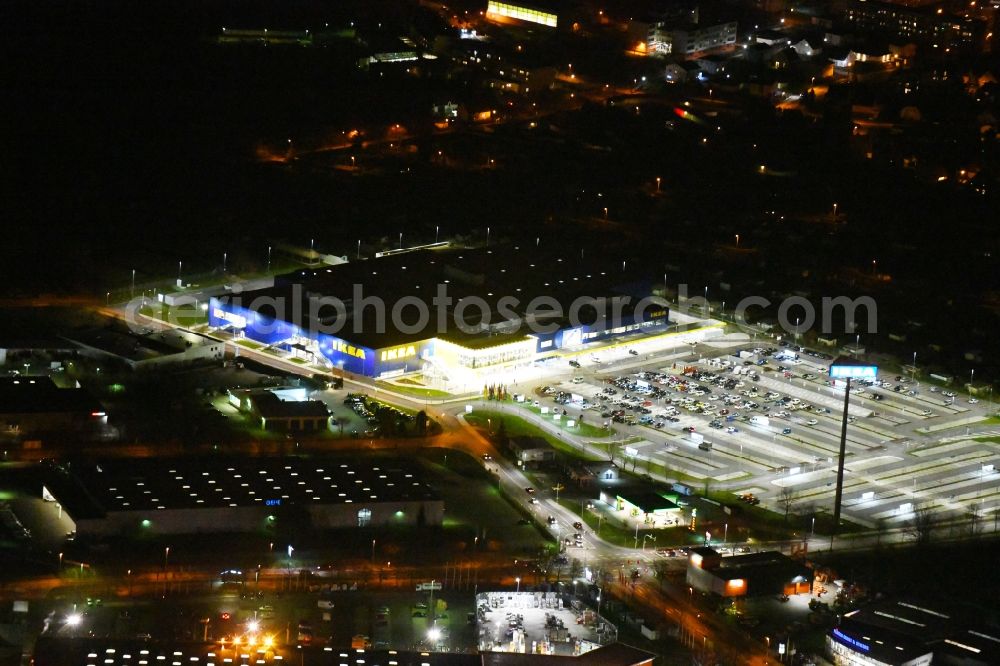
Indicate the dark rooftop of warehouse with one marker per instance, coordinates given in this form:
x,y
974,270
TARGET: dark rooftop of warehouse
x,y
50,651
40,395
522,272
145,484
271,406
907,628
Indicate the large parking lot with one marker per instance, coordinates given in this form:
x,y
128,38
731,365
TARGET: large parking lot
x,y
766,420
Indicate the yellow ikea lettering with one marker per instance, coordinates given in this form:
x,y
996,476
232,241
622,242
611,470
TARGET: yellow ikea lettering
x,y
398,353
350,350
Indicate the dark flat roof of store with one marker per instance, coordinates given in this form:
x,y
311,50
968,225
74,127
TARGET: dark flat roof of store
x,y
51,651
512,271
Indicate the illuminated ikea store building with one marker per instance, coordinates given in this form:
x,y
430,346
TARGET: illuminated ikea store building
x,y
506,306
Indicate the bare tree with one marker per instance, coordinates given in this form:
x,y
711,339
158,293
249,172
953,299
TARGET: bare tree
x,y
786,499
973,513
922,523
612,448
880,528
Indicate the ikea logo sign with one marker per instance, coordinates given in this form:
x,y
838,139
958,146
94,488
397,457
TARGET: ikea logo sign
x,y
399,353
344,348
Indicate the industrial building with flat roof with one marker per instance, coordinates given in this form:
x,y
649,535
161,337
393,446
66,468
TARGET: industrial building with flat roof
x,y
753,574
911,633
51,651
191,495
140,350
444,312
34,404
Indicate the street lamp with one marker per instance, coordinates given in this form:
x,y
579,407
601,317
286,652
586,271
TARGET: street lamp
x,y
737,240
657,183
400,240
223,263
268,258
518,581
166,557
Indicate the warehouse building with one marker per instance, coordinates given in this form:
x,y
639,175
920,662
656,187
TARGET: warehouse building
x,y
753,574
181,496
34,404
912,633
454,314
285,410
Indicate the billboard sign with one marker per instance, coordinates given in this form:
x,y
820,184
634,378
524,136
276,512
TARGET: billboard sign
x,y
845,368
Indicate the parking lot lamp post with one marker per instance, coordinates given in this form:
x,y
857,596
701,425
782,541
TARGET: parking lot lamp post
x,y
373,550
839,495
518,581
